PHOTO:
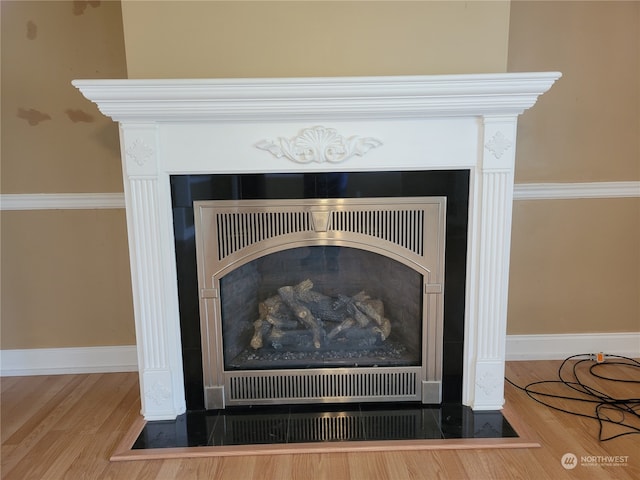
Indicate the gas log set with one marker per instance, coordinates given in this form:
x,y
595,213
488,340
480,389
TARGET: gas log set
x,y
299,318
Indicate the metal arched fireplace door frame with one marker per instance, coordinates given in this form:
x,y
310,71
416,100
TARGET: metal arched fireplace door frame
x,y
406,232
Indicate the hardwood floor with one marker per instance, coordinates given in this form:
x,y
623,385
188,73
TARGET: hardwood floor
x,y
67,426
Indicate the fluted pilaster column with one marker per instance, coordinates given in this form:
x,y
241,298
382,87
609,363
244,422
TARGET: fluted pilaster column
x,y
153,278
489,247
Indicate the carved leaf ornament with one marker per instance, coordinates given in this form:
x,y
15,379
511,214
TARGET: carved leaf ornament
x,y
319,144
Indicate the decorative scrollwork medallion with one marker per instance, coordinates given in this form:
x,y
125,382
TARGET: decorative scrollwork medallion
x,y
320,145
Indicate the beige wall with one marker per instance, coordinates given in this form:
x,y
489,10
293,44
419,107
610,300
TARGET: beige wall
x,y
67,281
575,263
53,139
314,38
575,266
587,127
65,274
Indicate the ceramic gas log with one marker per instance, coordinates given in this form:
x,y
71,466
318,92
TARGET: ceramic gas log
x,y
299,318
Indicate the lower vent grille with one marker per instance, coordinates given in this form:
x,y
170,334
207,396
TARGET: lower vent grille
x,y
399,383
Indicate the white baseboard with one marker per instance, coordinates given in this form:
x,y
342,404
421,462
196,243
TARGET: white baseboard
x,y
57,361
559,347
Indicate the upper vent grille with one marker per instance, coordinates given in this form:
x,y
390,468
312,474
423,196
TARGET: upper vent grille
x,y
238,230
400,227
387,223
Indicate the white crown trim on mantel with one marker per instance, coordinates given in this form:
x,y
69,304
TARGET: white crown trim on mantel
x,y
522,191
320,99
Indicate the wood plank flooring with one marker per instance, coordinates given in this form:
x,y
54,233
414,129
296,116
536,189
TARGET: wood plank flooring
x,y
67,427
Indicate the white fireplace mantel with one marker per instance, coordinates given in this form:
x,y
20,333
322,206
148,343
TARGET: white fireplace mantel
x,y
227,125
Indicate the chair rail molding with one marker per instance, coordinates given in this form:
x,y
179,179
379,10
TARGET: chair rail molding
x,y
522,191
61,201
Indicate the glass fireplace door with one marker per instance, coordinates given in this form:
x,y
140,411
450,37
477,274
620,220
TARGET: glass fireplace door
x,y
321,307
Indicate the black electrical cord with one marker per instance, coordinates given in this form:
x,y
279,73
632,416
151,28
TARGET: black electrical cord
x,y
606,406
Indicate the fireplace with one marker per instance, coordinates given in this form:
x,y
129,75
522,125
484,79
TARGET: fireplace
x,y
414,126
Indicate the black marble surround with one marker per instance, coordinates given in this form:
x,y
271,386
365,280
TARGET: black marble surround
x,y
454,184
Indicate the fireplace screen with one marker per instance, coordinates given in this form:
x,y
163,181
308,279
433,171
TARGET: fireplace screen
x,y
321,300
321,306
